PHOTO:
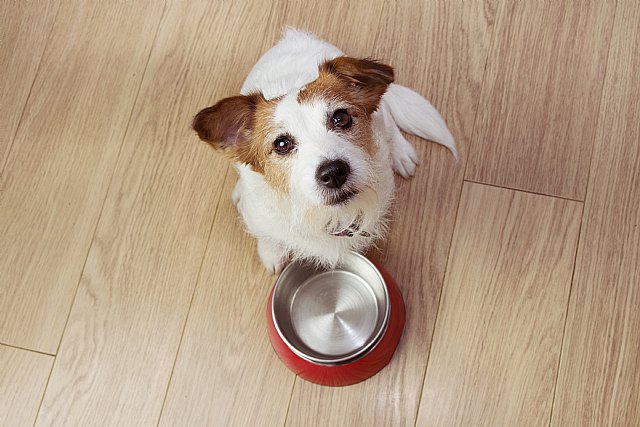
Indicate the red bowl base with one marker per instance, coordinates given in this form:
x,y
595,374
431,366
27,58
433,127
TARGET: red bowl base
x,y
352,372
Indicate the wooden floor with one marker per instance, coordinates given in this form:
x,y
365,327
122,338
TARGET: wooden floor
x,y
130,295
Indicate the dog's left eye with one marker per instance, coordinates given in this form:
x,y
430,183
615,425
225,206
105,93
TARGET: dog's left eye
x,y
341,119
282,144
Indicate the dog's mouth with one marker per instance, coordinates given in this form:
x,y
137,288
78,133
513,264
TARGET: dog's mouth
x,y
340,197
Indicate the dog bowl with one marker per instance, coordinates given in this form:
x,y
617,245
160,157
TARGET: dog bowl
x,y
335,327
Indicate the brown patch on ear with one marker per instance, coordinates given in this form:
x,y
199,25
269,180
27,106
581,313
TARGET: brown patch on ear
x,y
241,127
229,126
228,123
367,79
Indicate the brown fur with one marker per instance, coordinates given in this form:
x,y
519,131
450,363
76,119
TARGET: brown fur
x,y
273,166
366,80
242,128
356,83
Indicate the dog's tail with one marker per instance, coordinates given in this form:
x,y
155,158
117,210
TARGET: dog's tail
x,y
415,115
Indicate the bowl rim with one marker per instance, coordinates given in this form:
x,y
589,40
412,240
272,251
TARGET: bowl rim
x,y
365,349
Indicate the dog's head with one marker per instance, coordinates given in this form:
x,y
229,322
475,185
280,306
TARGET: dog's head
x,y
317,143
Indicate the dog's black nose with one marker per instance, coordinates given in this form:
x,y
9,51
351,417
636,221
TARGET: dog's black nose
x,y
333,174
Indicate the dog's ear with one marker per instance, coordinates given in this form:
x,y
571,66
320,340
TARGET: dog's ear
x,y
367,79
227,125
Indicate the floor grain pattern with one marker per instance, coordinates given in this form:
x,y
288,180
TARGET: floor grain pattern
x,y
19,19
63,156
599,380
498,335
227,374
541,96
23,376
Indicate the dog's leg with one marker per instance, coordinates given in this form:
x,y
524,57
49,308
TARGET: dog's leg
x,y
403,156
273,256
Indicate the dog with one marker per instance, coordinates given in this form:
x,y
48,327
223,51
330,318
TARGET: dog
x,y
315,138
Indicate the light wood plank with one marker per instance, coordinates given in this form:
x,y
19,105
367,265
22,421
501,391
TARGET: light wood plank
x,y
23,376
599,380
62,159
541,97
124,330
23,34
497,341
227,374
445,61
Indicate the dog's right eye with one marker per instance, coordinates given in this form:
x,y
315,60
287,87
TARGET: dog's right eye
x,y
341,119
282,145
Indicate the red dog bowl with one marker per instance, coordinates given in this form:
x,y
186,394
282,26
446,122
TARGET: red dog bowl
x,y
335,327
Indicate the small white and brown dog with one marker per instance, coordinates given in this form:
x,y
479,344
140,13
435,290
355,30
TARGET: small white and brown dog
x,y
315,137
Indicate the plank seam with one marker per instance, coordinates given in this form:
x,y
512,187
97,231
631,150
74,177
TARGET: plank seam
x,y
566,316
519,190
293,387
17,347
602,94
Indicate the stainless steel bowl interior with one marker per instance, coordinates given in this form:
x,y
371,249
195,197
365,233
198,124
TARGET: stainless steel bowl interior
x,y
331,316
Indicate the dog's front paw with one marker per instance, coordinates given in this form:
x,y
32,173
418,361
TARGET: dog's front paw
x,y
404,157
273,256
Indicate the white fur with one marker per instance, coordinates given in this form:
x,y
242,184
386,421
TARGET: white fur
x,y
415,115
295,225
